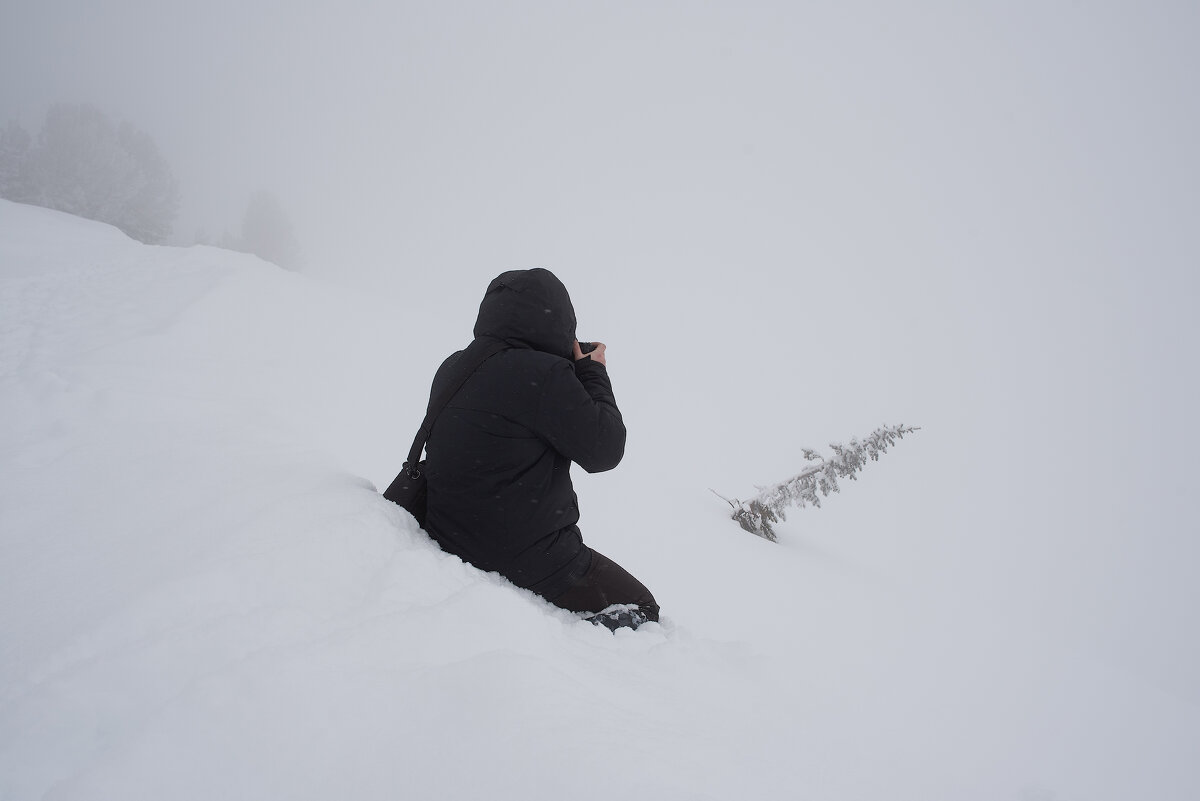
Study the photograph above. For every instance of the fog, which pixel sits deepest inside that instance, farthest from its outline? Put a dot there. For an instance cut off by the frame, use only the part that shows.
(757, 193)
(409, 137)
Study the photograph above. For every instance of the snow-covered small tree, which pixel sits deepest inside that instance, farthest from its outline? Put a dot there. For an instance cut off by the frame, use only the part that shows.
(768, 506)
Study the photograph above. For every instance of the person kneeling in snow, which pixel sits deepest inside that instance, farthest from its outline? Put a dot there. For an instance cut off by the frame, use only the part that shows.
(499, 455)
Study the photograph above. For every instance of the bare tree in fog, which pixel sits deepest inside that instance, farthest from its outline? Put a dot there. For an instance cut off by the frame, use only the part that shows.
(83, 164)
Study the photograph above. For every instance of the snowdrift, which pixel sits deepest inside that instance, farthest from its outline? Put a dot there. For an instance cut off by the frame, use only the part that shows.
(203, 596)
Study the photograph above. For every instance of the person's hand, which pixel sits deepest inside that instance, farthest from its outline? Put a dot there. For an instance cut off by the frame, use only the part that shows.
(597, 354)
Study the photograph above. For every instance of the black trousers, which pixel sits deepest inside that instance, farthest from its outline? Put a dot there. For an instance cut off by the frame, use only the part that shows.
(603, 584)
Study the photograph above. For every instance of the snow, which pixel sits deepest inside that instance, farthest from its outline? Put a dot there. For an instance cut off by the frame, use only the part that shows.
(202, 595)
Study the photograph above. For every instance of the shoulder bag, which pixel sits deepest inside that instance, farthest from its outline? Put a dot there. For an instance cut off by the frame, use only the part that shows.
(410, 489)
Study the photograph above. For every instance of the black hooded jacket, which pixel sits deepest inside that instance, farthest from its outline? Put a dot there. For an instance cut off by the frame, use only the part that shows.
(499, 455)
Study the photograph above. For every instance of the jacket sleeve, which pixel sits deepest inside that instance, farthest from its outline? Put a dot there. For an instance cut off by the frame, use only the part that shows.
(578, 415)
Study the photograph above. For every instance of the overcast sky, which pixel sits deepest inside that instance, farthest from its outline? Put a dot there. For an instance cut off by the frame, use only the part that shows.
(442, 132)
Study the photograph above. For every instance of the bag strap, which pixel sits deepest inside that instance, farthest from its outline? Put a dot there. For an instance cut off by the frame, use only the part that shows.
(478, 352)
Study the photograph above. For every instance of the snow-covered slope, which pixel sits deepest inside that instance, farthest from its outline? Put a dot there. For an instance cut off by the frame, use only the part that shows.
(203, 596)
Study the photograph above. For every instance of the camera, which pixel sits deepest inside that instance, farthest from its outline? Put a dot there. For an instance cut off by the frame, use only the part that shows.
(587, 347)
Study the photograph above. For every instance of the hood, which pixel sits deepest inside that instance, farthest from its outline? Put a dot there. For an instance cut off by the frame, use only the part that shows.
(531, 308)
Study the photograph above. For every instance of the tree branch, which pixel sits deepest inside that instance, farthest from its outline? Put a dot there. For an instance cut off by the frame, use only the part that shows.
(767, 507)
